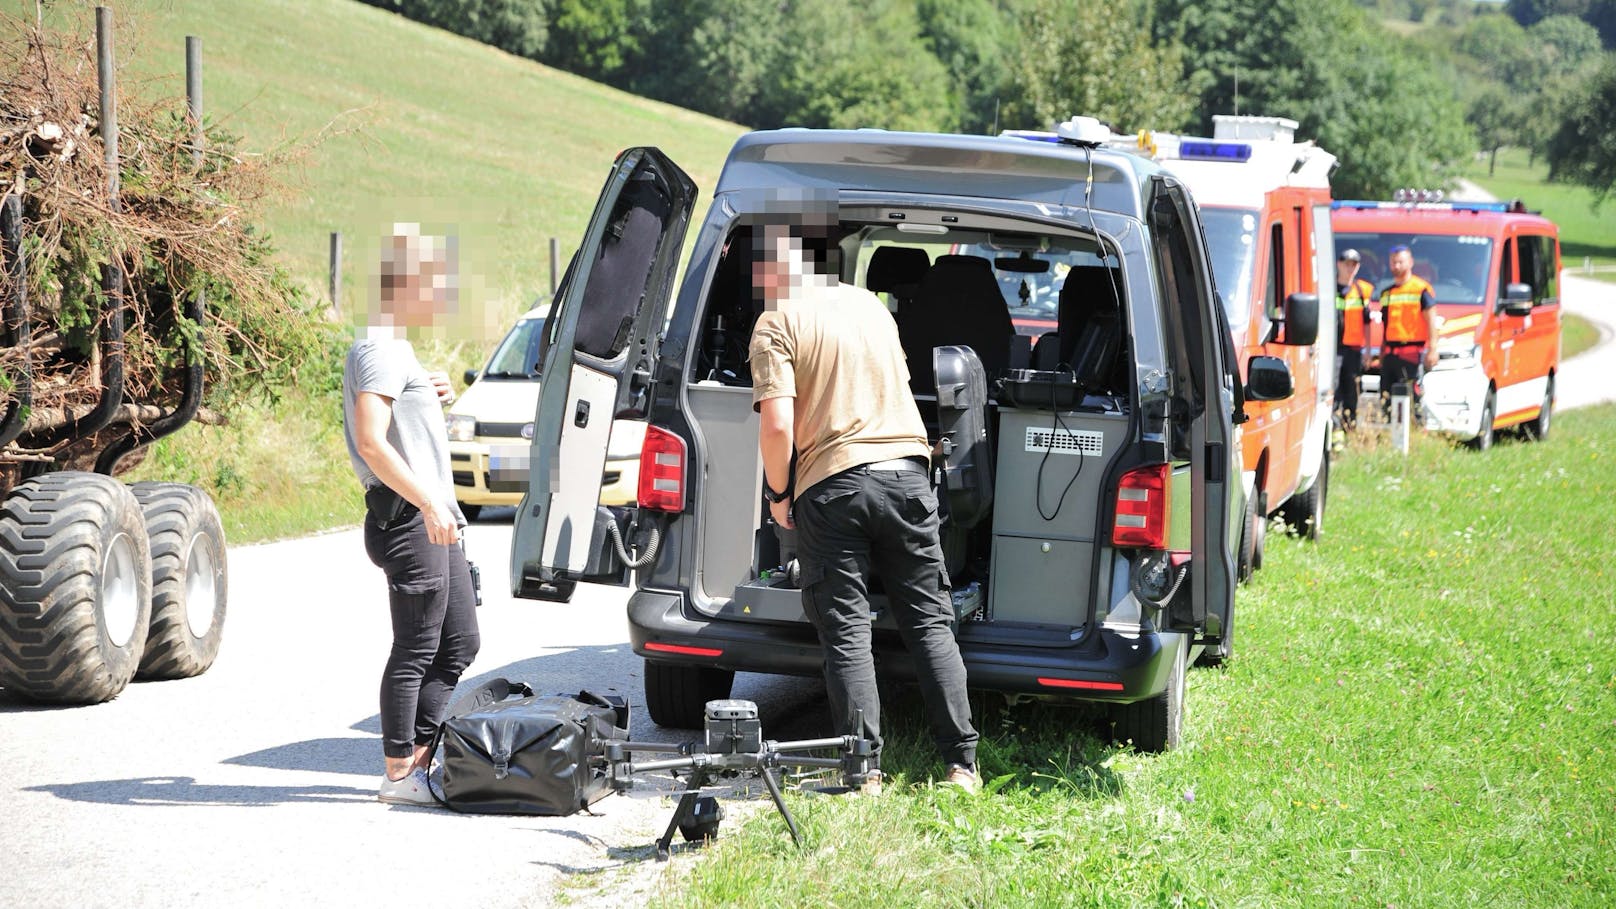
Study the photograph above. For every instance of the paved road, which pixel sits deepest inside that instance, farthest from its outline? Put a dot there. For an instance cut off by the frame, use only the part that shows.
(254, 784)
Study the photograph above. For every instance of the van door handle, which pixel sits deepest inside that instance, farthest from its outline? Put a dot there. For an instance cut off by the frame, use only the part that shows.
(580, 418)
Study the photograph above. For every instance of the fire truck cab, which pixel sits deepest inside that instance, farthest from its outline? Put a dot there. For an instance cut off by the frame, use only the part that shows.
(1494, 270)
(1264, 199)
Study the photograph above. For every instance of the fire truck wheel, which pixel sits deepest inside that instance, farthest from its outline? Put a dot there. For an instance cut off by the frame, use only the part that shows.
(1539, 428)
(1154, 724)
(1304, 512)
(677, 696)
(1260, 537)
(75, 588)
(188, 580)
(1484, 439)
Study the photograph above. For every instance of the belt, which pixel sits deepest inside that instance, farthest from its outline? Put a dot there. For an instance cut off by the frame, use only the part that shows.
(1405, 343)
(896, 465)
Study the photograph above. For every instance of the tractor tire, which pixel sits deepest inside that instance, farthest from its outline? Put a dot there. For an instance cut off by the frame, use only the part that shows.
(188, 580)
(1154, 725)
(1304, 512)
(75, 588)
(676, 696)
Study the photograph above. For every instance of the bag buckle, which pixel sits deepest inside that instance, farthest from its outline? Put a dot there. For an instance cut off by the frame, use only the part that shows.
(502, 764)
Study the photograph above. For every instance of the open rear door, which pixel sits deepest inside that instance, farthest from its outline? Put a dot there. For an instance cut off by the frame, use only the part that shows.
(1200, 338)
(597, 364)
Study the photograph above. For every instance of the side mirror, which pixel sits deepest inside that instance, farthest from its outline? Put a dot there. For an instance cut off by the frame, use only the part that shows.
(470, 376)
(1301, 320)
(1268, 379)
(1518, 299)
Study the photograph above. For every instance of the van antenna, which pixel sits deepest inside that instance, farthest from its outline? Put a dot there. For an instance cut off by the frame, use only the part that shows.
(1237, 90)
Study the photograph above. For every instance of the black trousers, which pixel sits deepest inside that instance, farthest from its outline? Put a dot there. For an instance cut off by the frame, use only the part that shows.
(1346, 385)
(1402, 364)
(435, 633)
(849, 525)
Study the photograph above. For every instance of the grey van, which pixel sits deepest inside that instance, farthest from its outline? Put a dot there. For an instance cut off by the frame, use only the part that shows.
(1067, 352)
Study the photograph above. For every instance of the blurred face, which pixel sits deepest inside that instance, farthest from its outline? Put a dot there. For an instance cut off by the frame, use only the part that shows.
(414, 284)
(1345, 271)
(776, 264)
(1400, 263)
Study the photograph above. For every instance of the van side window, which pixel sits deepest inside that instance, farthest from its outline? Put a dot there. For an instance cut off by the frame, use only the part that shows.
(1530, 272)
(1276, 271)
(1545, 270)
(1506, 268)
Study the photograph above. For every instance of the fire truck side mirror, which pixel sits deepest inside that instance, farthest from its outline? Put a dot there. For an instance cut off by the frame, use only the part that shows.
(1268, 379)
(1301, 320)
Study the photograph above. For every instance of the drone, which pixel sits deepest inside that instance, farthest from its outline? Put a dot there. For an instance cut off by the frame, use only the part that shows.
(734, 747)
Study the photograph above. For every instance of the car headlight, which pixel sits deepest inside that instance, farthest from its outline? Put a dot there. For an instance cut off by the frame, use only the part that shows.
(1459, 356)
(462, 427)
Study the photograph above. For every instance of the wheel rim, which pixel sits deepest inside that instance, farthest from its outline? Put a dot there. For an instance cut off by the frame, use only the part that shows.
(201, 590)
(120, 591)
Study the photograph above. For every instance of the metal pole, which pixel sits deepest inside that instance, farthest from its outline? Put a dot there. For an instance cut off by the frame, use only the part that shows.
(16, 320)
(555, 265)
(109, 98)
(336, 270)
(193, 92)
(1401, 400)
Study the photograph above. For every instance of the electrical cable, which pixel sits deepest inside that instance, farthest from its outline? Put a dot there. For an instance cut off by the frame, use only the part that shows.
(645, 558)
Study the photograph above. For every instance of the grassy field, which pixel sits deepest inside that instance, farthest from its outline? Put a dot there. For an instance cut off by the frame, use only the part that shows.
(387, 121)
(1576, 335)
(1584, 231)
(1422, 713)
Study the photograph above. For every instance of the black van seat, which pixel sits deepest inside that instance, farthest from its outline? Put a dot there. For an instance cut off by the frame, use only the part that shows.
(1090, 327)
(959, 304)
(897, 270)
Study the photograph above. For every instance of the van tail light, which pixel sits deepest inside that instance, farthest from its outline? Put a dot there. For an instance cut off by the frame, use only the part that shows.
(662, 471)
(1142, 508)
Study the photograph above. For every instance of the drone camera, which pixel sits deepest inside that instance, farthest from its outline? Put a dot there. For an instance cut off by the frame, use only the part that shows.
(733, 727)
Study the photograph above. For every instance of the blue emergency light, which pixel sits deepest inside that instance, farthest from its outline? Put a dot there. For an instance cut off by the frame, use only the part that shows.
(1422, 206)
(1214, 151)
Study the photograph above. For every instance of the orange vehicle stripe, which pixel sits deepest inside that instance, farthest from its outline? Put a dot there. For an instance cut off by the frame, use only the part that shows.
(1518, 416)
(1454, 326)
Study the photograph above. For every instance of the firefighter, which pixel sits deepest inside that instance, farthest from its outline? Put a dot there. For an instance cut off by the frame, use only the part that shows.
(1408, 312)
(1352, 298)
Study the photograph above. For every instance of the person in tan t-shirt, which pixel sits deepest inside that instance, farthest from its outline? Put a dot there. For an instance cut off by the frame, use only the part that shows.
(830, 384)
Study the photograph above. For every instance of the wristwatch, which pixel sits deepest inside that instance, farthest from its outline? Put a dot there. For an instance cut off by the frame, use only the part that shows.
(773, 496)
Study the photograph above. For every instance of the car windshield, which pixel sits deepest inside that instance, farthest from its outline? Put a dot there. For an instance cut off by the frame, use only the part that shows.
(517, 356)
(1457, 267)
(1231, 238)
(1031, 280)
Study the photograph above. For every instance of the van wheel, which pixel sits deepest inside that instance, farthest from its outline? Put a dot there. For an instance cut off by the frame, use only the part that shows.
(1248, 541)
(1304, 512)
(1154, 725)
(1259, 537)
(1484, 439)
(188, 580)
(677, 696)
(75, 588)
(1539, 428)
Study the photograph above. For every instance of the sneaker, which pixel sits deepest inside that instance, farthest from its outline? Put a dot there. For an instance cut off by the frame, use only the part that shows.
(963, 777)
(411, 790)
(874, 783)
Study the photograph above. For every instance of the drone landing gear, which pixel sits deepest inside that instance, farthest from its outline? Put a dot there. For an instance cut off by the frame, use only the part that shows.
(697, 816)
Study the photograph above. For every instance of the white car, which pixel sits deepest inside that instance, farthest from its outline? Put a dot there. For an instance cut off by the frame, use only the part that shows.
(493, 422)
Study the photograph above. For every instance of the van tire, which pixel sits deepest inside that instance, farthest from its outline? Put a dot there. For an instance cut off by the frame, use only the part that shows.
(1484, 438)
(1259, 540)
(75, 588)
(676, 696)
(188, 580)
(1154, 725)
(1248, 541)
(1538, 428)
(1304, 512)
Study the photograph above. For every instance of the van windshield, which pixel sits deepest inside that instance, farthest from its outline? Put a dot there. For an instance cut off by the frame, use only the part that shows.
(517, 356)
(1458, 267)
(1030, 280)
(1231, 238)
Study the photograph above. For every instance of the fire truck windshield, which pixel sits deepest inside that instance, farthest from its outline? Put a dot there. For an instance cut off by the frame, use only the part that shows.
(1456, 266)
(1231, 237)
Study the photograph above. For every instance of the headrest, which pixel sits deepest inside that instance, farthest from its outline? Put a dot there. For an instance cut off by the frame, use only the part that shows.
(961, 272)
(895, 266)
(1087, 292)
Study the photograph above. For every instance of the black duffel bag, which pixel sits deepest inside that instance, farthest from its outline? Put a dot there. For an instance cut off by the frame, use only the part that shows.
(508, 752)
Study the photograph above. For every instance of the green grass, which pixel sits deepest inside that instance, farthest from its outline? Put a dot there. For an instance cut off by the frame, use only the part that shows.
(1422, 713)
(1576, 335)
(1585, 232)
(387, 121)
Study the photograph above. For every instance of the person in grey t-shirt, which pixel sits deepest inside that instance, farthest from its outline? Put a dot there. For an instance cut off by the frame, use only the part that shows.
(393, 422)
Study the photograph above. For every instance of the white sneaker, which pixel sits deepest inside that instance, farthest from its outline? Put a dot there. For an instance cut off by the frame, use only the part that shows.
(411, 790)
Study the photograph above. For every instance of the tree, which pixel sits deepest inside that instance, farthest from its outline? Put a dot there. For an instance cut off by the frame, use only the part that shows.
(1566, 44)
(972, 39)
(594, 38)
(519, 27)
(1095, 59)
(1583, 149)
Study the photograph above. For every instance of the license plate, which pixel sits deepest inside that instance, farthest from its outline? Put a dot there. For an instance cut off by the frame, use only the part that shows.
(508, 466)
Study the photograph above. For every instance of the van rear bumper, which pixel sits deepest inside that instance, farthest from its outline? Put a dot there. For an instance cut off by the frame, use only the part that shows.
(1109, 665)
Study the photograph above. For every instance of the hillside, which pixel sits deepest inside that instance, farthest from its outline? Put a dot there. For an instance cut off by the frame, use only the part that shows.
(417, 124)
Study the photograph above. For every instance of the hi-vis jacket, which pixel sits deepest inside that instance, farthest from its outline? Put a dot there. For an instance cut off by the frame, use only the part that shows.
(1351, 315)
(1400, 308)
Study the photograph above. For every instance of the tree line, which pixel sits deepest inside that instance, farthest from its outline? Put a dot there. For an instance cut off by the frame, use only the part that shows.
(1399, 107)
